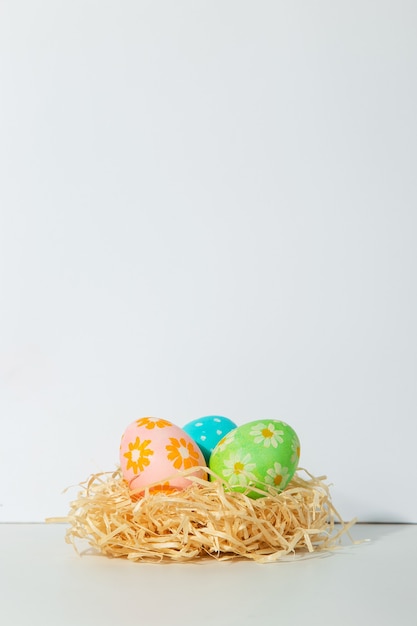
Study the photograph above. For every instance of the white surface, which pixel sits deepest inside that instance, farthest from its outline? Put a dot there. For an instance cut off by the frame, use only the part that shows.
(208, 207)
(44, 582)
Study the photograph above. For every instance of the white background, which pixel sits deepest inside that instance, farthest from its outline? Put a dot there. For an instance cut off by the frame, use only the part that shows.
(208, 207)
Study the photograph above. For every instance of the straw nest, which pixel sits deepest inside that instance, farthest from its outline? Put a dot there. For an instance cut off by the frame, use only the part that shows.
(204, 520)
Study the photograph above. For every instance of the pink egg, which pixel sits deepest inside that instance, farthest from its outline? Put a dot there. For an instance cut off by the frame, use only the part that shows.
(154, 450)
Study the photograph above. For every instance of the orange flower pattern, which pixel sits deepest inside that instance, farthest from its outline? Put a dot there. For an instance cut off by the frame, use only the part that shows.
(152, 422)
(164, 487)
(137, 455)
(182, 453)
(154, 454)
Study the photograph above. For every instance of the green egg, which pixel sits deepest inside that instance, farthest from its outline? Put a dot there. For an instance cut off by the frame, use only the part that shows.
(263, 454)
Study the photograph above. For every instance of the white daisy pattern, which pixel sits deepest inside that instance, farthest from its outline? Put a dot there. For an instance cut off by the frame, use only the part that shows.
(267, 434)
(239, 469)
(295, 447)
(227, 439)
(277, 476)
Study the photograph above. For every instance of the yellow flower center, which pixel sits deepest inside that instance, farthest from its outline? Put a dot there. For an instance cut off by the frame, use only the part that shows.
(238, 467)
(277, 480)
(267, 433)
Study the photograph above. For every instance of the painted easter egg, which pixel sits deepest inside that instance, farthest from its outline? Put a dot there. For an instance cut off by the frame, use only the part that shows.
(154, 450)
(262, 454)
(208, 431)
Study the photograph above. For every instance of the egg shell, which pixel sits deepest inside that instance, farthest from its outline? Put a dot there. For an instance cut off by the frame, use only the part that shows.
(154, 450)
(262, 454)
(208, 431)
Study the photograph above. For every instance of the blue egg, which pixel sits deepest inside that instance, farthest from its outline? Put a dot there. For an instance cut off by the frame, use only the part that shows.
(208, 431)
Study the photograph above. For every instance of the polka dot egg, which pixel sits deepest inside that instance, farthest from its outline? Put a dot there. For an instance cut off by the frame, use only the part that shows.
(154, 450)
(208, 431)
(263, 454)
